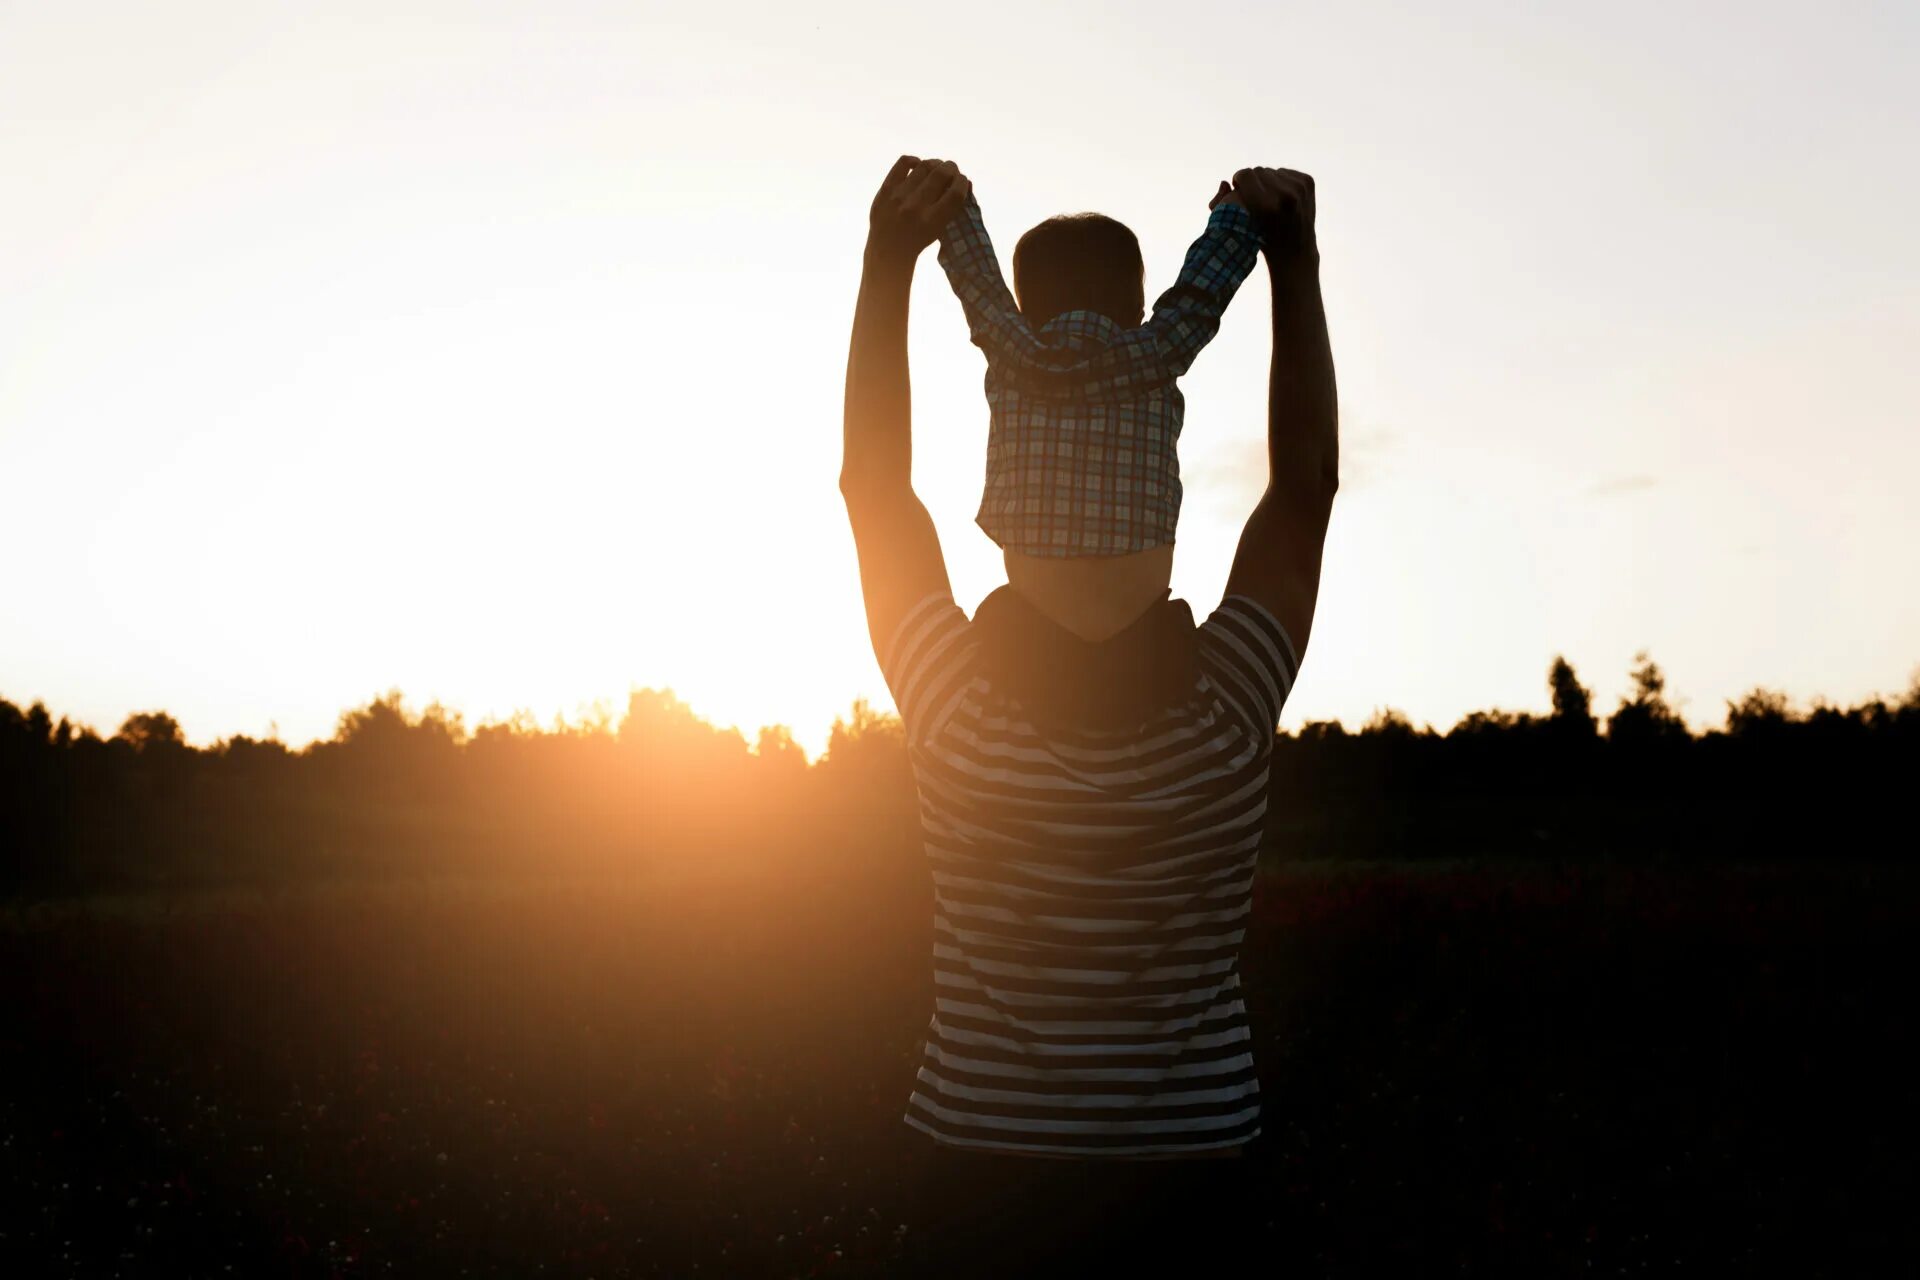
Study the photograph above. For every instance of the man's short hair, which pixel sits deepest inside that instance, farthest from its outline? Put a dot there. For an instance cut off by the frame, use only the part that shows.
(1080, 262)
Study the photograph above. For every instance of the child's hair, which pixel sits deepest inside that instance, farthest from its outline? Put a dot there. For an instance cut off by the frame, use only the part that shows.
(1080, 262)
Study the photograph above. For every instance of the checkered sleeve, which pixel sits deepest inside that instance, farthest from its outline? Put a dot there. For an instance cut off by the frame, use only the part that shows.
(993, 320)
(1187, 316)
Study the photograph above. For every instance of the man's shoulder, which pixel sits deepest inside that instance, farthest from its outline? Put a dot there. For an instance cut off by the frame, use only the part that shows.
(1239, 616)
(932, 639)
(1247, 645)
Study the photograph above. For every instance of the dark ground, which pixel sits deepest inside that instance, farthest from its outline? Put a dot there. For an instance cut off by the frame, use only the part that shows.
(1468, 1070)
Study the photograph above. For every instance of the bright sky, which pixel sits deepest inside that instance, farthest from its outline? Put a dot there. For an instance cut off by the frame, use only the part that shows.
(494, 352)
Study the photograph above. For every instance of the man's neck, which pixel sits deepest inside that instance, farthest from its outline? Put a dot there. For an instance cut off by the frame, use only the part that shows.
(1094, 597)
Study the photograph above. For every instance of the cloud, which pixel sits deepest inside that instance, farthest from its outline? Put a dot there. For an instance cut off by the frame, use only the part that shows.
(1620, 484)
(1363, 455)
(1232, 477)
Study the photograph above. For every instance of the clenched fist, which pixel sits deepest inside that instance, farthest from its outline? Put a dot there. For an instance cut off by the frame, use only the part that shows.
(1281, 202)
(916, 200)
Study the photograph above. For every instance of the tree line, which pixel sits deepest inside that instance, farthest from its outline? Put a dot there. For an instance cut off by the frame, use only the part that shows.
(662, 793)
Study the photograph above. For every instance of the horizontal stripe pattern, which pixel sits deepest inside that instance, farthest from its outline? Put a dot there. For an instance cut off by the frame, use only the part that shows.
(1091, 893)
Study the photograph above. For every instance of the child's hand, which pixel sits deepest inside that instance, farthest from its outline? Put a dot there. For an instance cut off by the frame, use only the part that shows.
(1225, 195)
(917, 199)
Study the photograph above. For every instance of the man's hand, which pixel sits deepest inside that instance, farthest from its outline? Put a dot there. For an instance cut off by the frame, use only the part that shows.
(916, 200)
(1225, 195)
(1281, 202)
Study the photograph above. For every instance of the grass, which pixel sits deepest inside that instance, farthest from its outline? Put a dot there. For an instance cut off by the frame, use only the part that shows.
(1468, 1068)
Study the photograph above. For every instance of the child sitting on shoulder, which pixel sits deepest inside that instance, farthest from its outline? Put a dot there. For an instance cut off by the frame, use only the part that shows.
(1083, 475)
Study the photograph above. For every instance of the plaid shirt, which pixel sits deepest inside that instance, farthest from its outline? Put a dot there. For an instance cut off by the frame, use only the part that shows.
(1085, 416)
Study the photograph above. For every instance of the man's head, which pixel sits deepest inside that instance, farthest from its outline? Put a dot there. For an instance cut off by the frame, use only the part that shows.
(1080, 262)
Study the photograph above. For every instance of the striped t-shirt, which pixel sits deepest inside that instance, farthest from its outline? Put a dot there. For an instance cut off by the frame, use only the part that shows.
(1091, 892)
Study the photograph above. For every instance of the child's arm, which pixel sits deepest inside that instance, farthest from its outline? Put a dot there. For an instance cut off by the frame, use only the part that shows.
(1187, 316)
(993, 321)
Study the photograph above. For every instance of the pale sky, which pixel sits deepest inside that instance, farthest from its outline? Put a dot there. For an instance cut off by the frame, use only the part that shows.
(495, 352)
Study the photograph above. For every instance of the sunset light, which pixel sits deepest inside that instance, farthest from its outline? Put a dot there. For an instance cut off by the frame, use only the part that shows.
(497, 358)
(1008, 639)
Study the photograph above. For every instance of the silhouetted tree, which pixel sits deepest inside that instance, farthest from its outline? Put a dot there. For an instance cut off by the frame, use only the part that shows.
(386, 754)
(151, 729)
(1572, 702)
(385, 722)
(1762, 711)
(1389, 722)
(869, 745)
(776, 749)
(1495, 723)
(657, 718)
(1645, 715)
(665, 789)
(39, 723)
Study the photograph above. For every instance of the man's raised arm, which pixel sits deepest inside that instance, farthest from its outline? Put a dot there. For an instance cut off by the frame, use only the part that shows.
(1278, 561)
(900, 559)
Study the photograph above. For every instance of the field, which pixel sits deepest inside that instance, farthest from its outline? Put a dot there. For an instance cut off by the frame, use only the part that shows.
(1468, 1068)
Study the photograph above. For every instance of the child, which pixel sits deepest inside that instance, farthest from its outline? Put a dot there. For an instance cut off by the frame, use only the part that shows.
(1083, 479)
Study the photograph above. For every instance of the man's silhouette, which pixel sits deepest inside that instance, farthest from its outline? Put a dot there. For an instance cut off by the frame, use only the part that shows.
(1092, 808)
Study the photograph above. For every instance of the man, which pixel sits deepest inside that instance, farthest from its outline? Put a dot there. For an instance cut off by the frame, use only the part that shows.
(1092, 810)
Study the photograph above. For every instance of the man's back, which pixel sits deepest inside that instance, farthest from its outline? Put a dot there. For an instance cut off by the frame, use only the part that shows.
(1091, 891)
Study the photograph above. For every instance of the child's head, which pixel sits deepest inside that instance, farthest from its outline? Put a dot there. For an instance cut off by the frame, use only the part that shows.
(1080, 262)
